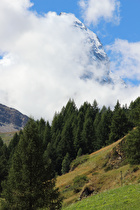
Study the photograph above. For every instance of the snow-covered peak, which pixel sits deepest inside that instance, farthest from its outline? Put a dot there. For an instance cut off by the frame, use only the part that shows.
(98, 65)
(93, 39)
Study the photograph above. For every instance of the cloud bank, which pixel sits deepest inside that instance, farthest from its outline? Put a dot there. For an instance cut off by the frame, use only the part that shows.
(42, 59)
(127, 55)
(96, 10)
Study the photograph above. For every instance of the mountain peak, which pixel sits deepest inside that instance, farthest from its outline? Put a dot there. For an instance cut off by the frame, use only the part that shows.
(95, 63)
(97, 58)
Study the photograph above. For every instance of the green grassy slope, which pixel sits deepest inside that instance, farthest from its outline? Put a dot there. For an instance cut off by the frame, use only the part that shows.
(103, 171)
(127, 197)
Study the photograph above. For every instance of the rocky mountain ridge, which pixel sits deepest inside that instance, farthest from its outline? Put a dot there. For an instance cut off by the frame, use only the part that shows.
(11, 119)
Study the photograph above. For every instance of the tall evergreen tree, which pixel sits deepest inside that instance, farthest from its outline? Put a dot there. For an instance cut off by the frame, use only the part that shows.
(103, 127)
(96, 124)
(67, 138)
(47, 135)
(78, 143)
(95, 109)
(29, 186)
(134, 112)
(119, 125)
(133, 142)
(41, 128)
(69, 110)
(12, 145)
(65, 164)
(3, 162)
(88, 133)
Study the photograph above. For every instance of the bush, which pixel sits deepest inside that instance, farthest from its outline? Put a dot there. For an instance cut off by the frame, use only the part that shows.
(78, 182)
(135, 169)
(80, 179)
(108, 168)
(78, 161)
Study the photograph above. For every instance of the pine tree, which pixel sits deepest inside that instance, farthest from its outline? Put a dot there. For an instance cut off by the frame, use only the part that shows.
(69, 110)
(79, 153)
(78, 131)
(134, 111)
(119, 125)
(66, 142)
(88, 136)
(103, 127)
(95, 109)
(65, 164)
(41, 127)
(28, 186)
(47, 135)
(96, 124)
(12, 145)
(3, 162)
(133, 146)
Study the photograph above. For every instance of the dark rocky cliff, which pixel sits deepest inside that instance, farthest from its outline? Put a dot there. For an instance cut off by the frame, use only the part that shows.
(11, 119)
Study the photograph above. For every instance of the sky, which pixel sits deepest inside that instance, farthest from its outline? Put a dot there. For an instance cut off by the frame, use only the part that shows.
(40, 53)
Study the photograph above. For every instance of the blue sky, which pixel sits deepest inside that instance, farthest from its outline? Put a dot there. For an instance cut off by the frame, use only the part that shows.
(42, 58)
(69, 6)
(128, 28)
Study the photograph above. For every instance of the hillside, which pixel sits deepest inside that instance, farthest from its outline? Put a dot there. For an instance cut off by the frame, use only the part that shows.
(126, 197)
(11, 119)
(103, 171)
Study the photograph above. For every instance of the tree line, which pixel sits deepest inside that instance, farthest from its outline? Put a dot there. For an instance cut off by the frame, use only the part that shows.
(35, 155)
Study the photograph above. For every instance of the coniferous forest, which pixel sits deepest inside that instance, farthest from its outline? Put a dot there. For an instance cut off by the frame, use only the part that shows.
(41, 151)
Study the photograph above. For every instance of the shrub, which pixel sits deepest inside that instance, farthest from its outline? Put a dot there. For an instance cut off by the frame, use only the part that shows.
(80, 179)
(78, 161)
(78, 182)
(135, 169)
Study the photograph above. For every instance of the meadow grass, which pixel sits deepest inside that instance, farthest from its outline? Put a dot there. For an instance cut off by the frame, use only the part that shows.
(126, 197)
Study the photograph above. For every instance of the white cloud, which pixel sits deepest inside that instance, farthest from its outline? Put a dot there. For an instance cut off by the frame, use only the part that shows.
(96, 10)
(125, 59)
(42, 60)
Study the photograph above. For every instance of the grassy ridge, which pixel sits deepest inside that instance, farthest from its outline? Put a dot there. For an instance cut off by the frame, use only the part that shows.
(127, 197)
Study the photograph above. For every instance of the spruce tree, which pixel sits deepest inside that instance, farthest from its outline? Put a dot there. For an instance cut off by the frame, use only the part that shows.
(103, 127)
(28, 186)
(97, 142)
(133, 146)
(12, 145)
(88, 136)
(47, 135)
(66, 164)
(78, 131)
(3, 162)
(134, 111)
(119, 125)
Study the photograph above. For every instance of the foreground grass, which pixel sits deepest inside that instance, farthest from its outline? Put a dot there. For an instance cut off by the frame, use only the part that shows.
(127, 197)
